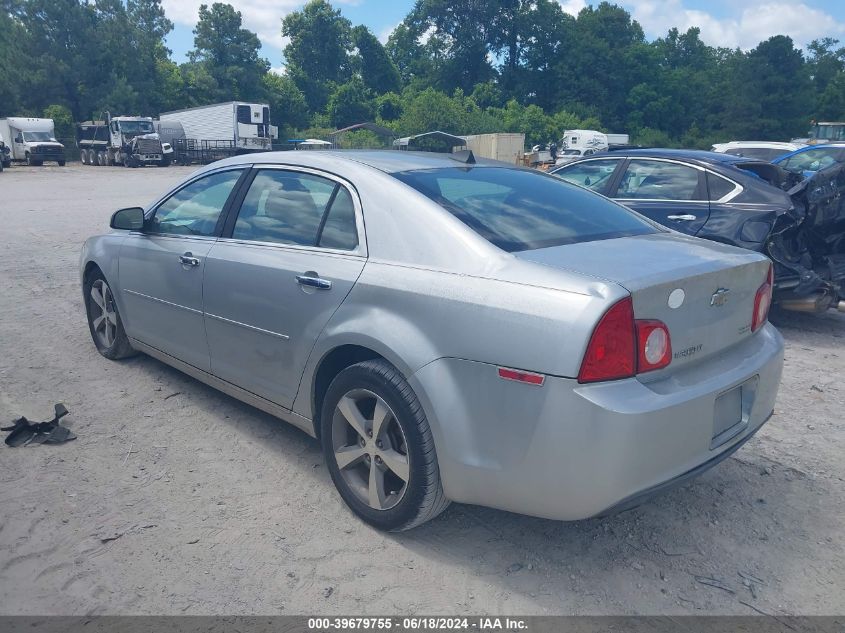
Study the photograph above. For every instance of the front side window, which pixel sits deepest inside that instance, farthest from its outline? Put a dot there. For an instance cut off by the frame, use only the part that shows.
(288, 207)
(593, 174)
(659, 180)
(520, 209)
(195, 209)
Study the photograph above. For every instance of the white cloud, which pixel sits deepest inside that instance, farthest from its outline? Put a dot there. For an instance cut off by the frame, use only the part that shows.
(572, 7)
(263, 17)
(279, 70)
(758, 20)
(386, 32)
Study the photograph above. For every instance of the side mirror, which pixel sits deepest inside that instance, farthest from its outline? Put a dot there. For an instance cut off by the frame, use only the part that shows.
(131, 219)
(19, 139)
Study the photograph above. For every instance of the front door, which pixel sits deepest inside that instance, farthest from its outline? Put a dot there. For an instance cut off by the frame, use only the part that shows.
(671, 193)
(161, 268)
(283, 266)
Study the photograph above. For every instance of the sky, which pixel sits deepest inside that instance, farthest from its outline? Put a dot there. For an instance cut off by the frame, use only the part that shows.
(731, 23)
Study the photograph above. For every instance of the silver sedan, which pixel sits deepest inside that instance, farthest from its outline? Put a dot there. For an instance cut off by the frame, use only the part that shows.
(450, 329)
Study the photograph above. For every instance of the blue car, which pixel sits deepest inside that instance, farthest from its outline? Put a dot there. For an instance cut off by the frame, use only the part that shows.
(808, 160)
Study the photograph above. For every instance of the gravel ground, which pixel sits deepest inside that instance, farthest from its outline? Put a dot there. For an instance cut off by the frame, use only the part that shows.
(177, 499)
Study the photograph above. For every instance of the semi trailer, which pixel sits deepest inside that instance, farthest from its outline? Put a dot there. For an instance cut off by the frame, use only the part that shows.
(219, 130)
(31, 140)
(130, 141)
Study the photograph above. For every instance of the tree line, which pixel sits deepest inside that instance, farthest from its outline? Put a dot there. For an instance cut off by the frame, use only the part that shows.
(461, 66)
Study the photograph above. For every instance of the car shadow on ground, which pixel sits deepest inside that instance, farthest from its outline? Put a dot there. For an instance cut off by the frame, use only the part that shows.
(719, 526)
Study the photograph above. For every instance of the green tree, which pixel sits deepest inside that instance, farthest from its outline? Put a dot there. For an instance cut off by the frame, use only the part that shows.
(318, 53)
(377, 70)
(229, 54)
(152, 74)
(350, 104)
(288, 108)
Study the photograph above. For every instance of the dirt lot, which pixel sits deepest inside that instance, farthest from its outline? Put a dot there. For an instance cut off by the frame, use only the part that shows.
(177, 499)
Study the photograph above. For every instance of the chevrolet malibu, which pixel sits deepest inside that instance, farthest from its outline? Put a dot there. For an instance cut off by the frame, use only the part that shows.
(450, 329)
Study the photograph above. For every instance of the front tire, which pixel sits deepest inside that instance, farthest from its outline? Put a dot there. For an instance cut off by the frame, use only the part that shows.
(379, 448)
(104, 320)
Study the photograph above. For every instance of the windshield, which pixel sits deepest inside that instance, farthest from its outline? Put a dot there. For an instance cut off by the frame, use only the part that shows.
(814, 159)
(832, 132)
(136, 127)
(518, 209)
(31, 137)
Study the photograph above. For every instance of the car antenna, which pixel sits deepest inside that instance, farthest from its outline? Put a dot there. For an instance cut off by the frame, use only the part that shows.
(464, 156)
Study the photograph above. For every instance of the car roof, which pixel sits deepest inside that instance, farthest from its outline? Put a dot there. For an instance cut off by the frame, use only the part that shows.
(753, 144)
(689, 154)
(387, 160)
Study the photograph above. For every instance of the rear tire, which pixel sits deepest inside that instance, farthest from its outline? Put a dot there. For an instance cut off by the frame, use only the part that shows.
(101, 159)
(62, 163)
(104, 321)
(373, 423)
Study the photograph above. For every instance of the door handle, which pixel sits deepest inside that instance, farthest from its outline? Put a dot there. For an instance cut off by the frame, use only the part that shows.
(686, 217)
(313, 282)
(188, 259)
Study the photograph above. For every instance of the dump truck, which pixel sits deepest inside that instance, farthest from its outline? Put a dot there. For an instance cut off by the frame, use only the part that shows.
(130, 141)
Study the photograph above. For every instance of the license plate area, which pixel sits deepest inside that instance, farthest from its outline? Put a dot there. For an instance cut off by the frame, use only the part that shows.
(732, 411)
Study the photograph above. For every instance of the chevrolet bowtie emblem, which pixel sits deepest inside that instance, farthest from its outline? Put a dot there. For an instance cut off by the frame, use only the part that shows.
(720, 297)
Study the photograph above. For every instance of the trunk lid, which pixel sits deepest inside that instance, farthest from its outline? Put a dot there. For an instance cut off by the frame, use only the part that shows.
(703, 291)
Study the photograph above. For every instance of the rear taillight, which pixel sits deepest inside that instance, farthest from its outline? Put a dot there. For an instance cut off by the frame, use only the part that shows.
(762, 303)
(653, 345)
(611, 353)
(621, 347)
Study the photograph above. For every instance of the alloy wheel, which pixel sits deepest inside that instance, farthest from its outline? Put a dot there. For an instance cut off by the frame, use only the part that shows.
(370, 449)
(103, 313)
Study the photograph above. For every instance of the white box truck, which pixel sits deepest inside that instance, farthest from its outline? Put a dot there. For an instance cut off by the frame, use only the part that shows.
(234, 127)
(504, 146)
(32, 140)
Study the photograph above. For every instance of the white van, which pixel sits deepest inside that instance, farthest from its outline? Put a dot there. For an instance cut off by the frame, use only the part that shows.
(32, 140)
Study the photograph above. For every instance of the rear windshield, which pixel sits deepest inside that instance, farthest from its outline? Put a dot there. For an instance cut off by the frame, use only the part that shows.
(520, 209)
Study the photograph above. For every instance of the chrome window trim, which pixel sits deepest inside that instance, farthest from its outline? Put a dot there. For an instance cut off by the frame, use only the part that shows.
(359, 251)
(738, 188)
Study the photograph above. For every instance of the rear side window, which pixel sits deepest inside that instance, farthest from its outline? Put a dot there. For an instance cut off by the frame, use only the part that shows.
(719, 187)
(519, 210)
(593, 174)
(288, 207)
(659, 180)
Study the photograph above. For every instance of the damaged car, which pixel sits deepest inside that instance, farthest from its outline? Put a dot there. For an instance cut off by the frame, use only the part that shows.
(798, 222)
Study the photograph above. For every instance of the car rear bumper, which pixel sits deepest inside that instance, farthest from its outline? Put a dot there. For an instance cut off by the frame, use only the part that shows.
(569, 451)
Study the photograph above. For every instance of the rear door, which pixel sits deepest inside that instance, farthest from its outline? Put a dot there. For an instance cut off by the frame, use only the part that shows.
(161, 268)
(670, 192)
(288, 258)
